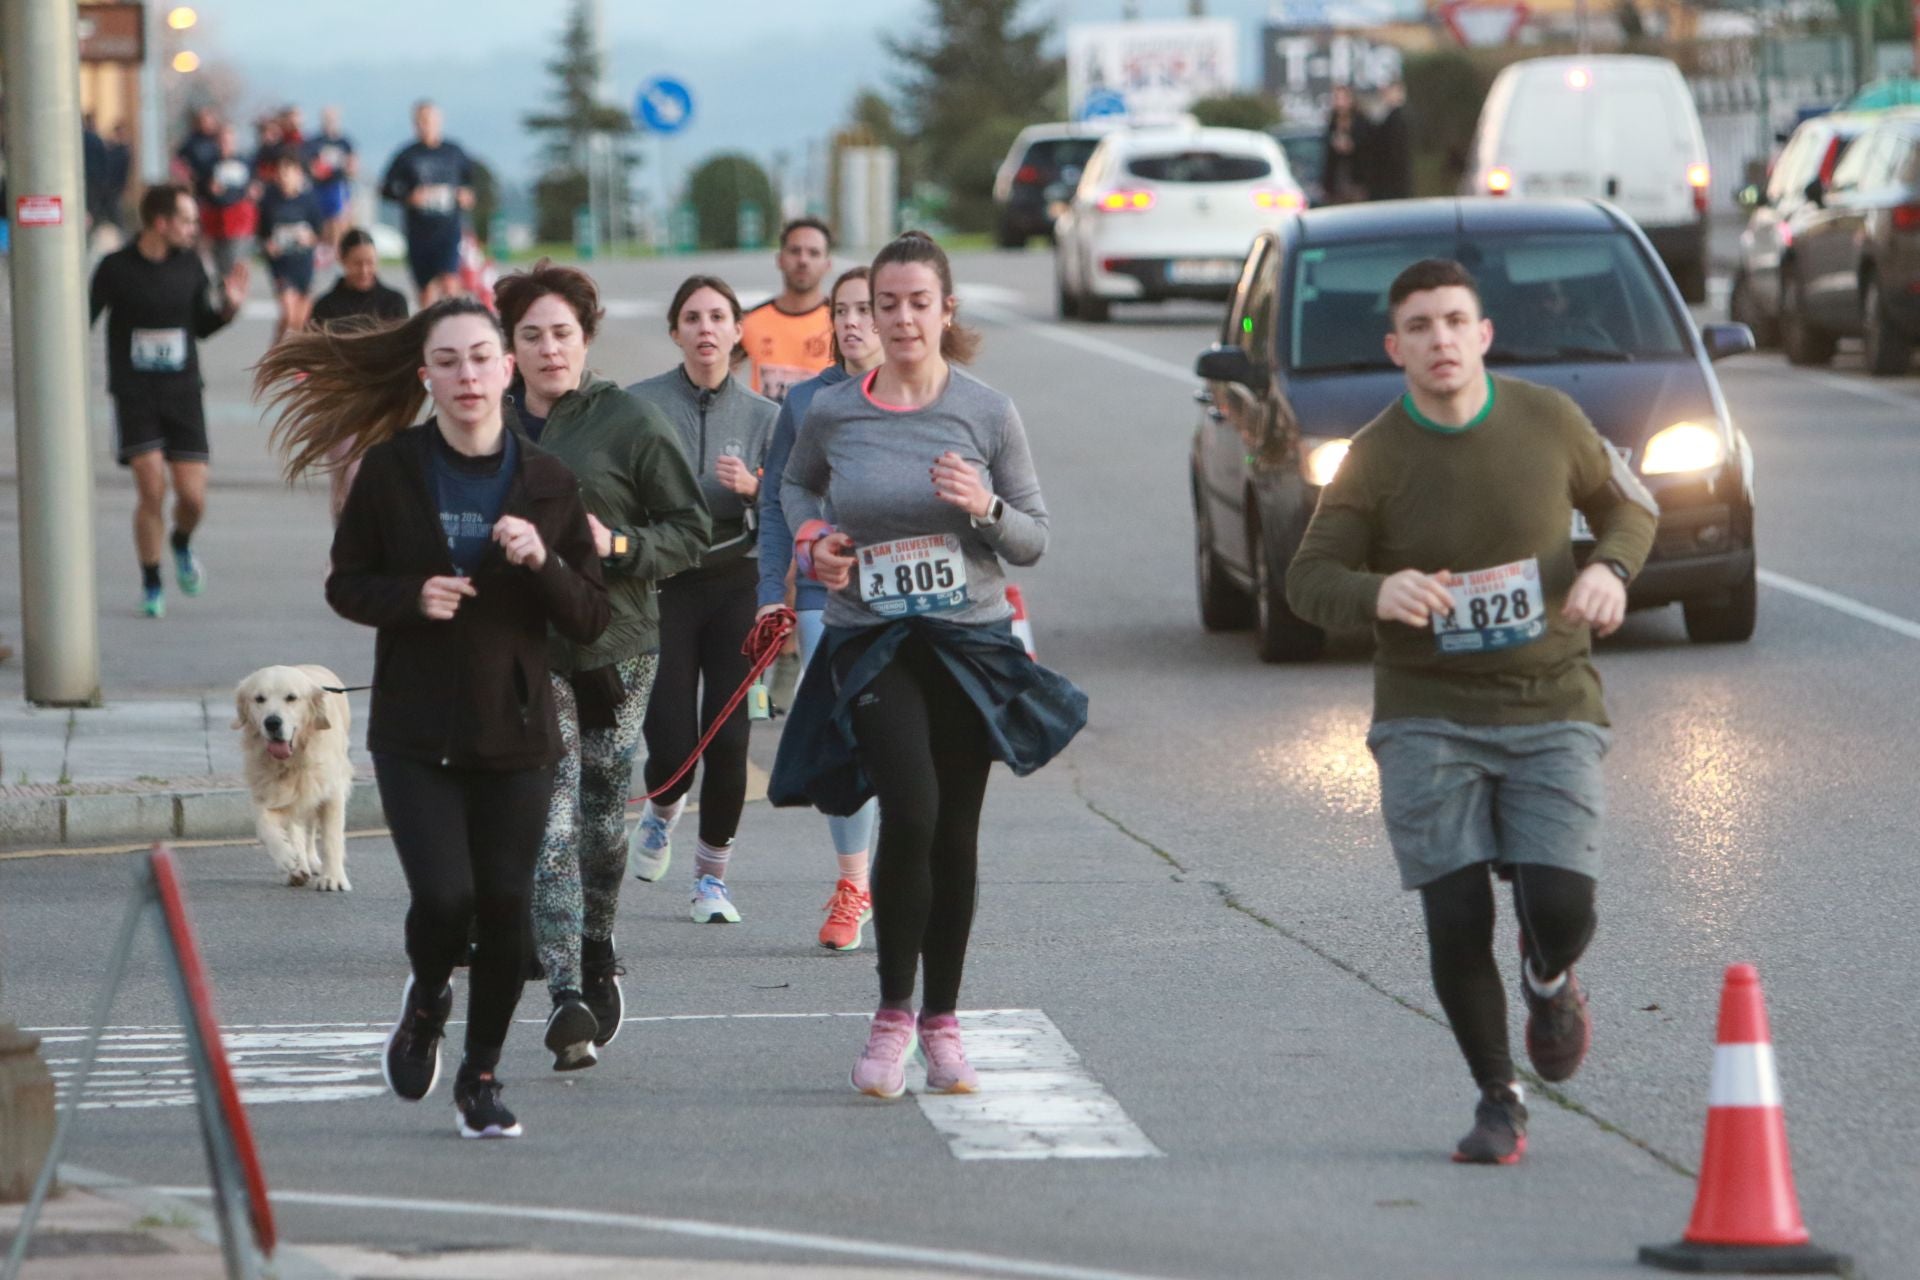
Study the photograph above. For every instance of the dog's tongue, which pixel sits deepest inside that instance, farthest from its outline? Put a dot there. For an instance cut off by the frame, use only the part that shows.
(280, 750)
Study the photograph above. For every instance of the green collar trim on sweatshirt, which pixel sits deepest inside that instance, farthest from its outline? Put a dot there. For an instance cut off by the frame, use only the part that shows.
(1406, 402)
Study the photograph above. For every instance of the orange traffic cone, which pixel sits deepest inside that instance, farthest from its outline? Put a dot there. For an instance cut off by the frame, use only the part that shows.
(1746, 1216)
(1022, 628)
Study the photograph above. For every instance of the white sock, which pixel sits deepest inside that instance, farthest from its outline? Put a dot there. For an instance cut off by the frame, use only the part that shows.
(670, 814)
(1545, 990)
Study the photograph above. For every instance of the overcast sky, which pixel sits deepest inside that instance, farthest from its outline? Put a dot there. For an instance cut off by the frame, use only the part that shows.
(768, 76)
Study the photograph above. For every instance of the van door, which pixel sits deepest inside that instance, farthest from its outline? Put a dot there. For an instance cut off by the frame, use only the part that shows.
(1644, 137)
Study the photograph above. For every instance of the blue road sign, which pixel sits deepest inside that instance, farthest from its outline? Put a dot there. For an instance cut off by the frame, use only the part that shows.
(1103, 102)
(664, 106)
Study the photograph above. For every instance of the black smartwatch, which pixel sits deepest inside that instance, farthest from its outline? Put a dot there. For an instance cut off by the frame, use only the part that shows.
(1619, 571)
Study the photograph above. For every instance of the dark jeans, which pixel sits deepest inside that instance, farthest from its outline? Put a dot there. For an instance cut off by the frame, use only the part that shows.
(923, 744)
(467, 840)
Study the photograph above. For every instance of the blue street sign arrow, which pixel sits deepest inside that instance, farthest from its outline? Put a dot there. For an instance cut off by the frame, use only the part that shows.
(664, 105)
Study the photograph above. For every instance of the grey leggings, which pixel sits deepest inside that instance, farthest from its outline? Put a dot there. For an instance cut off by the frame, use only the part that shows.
(576, 883)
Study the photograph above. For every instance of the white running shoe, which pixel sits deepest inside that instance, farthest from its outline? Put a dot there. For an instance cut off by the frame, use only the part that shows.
(650, 847)
(712, 902)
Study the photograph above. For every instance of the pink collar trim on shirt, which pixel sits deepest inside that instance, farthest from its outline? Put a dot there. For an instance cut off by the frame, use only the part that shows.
(866, 386)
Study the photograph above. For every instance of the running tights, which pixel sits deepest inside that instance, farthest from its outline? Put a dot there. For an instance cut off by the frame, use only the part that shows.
(1555, 910)
(705, 615)
(923, 744)
(467, 839)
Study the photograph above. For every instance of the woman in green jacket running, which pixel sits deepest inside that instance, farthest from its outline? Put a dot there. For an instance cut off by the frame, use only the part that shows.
(649, 521)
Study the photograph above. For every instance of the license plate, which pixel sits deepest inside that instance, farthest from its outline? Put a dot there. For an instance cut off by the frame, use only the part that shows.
(1203, 271)
(913, 576)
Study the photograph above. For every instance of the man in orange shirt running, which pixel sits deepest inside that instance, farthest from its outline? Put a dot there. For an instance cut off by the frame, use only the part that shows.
(789, 338)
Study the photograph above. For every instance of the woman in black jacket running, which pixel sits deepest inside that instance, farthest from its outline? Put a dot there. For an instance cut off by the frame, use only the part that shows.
(463, 544)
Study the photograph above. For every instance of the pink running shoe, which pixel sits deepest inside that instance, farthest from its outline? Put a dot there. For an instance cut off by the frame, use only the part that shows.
(948, 1070)
(881, 1071)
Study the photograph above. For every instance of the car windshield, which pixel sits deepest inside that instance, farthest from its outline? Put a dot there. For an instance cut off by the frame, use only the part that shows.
(1199, 166)
(1306, 155)
(1553, 298)
(1055, 154)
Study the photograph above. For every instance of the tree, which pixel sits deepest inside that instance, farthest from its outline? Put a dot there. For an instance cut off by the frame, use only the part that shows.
(574, 116)
(972, 82)
(1237, 111)
(718, 188)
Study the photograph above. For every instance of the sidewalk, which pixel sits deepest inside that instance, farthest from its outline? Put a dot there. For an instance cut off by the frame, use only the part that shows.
(137, 771)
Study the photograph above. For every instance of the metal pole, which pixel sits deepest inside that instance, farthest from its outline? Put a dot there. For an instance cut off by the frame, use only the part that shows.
(153, 106)
(57, 603)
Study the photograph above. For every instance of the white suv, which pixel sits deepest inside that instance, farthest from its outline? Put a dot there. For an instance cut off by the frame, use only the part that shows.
(1168, 213)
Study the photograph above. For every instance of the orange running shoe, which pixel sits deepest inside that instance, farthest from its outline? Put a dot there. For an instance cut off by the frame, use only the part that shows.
(848, 911)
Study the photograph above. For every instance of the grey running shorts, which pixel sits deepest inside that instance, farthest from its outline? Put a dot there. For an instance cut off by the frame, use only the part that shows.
(1455, 795)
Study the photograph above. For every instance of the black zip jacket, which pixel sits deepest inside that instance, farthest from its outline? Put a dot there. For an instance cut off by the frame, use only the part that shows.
(472, 692)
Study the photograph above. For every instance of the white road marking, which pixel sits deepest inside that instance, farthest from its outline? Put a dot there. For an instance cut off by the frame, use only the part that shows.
(1841, 604)
(1087, 342)
(1037, 1100)
(802, 1241)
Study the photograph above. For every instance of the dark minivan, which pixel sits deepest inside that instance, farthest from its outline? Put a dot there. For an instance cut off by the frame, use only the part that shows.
(1579, 301)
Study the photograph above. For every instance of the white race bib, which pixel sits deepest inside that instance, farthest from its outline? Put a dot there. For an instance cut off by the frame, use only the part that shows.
(286, 236)
(1498, 608)
(439, 198)
(913, 576)
(158, 350)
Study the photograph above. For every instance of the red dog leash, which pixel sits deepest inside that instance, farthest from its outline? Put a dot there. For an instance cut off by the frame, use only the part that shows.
(763, 644)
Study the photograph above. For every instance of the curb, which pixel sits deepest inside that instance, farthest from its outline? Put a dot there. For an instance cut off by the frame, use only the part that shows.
(183, 813)
(286, 1264)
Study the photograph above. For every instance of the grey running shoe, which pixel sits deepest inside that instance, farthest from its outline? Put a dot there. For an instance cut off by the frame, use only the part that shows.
(1558, 1029)
(1499, 1133)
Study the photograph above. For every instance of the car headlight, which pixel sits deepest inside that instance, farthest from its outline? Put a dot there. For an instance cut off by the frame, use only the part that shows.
(1323, 461)
(1684, 446)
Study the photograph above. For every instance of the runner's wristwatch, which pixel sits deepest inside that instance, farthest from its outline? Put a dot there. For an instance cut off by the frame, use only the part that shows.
(995, 510)
(1619, 571)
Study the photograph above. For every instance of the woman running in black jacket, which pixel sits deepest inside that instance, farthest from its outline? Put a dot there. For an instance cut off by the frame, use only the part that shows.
(463, 544)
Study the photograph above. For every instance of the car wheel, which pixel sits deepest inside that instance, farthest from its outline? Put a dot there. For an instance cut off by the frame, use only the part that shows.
(1742, 308)
(1278, 636)
(1888, 350)
(1692, 279)
(1093, 309)
(1063, 299)
(1804, 342)
(1224, 605)
(1728, 620)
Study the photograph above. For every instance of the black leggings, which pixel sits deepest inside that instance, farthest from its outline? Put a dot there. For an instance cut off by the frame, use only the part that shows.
(1555, 910)
(705, 616)
(467, 840)
(922, 742)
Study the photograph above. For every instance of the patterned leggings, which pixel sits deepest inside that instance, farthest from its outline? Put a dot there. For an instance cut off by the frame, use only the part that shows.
(576, 883)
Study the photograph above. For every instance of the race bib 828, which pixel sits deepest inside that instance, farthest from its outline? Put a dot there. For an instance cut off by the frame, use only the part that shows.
(1498, 608)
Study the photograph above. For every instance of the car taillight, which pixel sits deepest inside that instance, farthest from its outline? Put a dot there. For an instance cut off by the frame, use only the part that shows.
(1783, 232)
(1699, 177)
(1906, 217)
(1124, 201)
(1499, 181)
(1028, 173)
(1275, 198)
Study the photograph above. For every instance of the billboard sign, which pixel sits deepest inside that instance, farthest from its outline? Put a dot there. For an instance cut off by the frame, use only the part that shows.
(1156, 69)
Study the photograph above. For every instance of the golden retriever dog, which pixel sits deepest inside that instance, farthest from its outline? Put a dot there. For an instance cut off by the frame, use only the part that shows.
(296, 735)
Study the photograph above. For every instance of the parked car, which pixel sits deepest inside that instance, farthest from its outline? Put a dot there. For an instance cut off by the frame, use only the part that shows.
(1167, 213)
(1578, 302)
(1306, 148)
(1618, 127)
(1778, 214)
(1038, 176)
(1855, 264)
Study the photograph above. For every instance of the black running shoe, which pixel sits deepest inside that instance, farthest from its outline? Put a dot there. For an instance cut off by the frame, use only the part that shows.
(1558, 1029)
(600, 971)
(482, 1114)
(411, 1063)
(1499, 1133)
(570, 1033)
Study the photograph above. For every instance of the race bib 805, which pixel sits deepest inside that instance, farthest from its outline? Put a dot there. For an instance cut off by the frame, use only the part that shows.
(1498, 608)
(912, 576)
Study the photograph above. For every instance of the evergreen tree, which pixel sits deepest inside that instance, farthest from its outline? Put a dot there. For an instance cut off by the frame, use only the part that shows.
(574, 115)
(974, 80)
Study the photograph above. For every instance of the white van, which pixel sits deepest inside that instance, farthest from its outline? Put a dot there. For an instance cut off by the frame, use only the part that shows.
(1612, 127)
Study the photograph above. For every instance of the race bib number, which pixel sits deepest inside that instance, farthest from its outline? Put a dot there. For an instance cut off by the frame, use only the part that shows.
(287, 237)
(914, 576)
(158, 350)
(1498, 608)
(232, 174)
(439, 198)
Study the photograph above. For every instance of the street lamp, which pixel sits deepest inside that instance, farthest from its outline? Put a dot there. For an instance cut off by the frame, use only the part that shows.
(186, 61)
(182, 18)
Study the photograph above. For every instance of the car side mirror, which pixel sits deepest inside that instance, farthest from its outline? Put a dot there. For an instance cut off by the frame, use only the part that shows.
(1817, 192)
(1723, 340)
(1221, 363)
